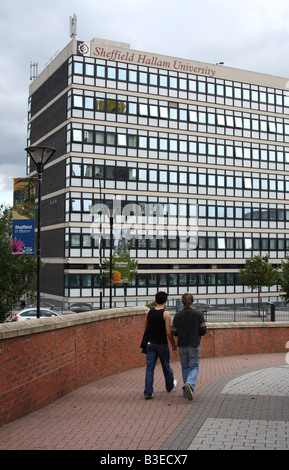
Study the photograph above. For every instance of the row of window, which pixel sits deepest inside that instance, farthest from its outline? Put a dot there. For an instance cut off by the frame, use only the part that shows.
(180, 176)
(81, 240)
(158, 280)
(83, 203)
(145, 79)
(197, 118)
(101, 140)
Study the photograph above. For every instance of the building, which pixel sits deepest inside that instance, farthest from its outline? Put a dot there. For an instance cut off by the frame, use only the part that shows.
(206, 144)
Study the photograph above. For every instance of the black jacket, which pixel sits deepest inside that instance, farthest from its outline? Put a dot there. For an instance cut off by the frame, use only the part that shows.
(189, 325)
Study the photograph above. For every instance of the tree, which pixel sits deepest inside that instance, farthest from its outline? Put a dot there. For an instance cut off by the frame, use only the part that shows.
(18, 272)
(284, 279)
(258, 272)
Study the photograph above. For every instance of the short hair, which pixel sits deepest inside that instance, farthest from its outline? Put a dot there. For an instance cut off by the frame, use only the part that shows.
(161, 297)
(187, 299)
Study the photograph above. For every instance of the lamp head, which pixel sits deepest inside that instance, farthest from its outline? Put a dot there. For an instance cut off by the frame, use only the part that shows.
(40, 155)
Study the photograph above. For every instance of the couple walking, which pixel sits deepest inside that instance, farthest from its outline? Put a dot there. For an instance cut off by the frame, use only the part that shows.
(188, 325)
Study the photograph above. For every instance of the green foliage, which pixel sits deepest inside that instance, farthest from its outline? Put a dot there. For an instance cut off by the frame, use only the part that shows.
(18, 272)
(284, 279)
(258, 272)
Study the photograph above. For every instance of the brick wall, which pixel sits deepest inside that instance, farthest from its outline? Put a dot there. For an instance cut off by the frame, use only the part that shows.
(43, 359)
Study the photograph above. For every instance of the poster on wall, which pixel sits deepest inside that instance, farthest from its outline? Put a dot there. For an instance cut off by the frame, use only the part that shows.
(121, 270)
(23, 238)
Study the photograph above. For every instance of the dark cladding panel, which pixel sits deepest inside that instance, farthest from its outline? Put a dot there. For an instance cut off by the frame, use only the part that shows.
(50, 88)
(51, 118)
(52, 279)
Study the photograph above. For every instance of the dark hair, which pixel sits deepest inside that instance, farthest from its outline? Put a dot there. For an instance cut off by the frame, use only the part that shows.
(161, 297)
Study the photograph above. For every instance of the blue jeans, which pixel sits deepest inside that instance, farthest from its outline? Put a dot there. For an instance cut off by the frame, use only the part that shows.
(190, 359)
(155, 351)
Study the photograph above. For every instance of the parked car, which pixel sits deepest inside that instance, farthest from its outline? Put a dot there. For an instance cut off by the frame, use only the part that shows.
(31, 313)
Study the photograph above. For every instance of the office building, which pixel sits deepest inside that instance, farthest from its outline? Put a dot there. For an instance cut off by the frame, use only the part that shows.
(204, 143)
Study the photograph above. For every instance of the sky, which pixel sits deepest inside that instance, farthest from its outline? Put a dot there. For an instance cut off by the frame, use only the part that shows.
(247, 34)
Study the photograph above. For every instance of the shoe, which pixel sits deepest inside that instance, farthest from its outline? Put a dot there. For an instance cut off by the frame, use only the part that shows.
(148, 397)
(175, 384)
(189, 392)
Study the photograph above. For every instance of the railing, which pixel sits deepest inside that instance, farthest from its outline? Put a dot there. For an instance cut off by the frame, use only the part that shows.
(266, 312)
(276, 311)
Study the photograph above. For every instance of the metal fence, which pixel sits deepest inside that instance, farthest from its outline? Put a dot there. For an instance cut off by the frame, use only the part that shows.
(268, 311)
(247, 314)
(277, 311)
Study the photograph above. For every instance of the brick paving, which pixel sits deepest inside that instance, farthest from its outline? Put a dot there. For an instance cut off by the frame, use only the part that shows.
(240, 402)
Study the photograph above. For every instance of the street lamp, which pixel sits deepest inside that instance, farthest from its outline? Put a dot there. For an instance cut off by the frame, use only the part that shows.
(40, 156)
(99, 177)
(110, 256)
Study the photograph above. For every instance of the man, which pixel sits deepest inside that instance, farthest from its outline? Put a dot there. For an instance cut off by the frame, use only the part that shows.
(189, 325)
(158, 323)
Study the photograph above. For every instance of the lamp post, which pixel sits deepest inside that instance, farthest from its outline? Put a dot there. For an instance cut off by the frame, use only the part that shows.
(99, 177)
(40, 156)
(110, 257)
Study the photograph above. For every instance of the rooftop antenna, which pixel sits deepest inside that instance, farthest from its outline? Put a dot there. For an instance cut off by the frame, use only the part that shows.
(73, 26)
(33, 70)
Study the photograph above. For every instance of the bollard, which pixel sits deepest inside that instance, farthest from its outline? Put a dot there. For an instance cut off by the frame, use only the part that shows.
(272, 312)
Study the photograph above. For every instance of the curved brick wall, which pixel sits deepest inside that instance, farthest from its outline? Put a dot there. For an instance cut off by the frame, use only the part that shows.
(43, 359)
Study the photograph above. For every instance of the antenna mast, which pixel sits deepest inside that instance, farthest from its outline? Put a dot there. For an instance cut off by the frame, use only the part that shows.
(73, 26)
(33, 70)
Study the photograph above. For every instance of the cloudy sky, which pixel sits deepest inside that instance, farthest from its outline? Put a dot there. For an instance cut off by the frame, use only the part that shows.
(247, 34)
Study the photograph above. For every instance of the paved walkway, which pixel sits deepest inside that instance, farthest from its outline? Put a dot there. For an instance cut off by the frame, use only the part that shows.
(241, 402)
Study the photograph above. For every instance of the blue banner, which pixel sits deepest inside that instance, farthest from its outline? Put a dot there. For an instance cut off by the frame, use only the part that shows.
(23, 237)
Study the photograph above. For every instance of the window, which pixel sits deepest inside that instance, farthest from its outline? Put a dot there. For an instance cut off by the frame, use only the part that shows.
(76, 205)
(132, 76)
(153, 79)
(202, 243)
(111, 73)
(211, 243)
(143, 78)
(164, 112)
(110, 138)
(100, 71)
(99, 137)
(89, 70)
(87, 171)
(122, 74)
(132, 141)
(88, 102)
(76, 170)
(75, 240)
(88, 137)
(221, 243)
(132, 108)
(78, 68)
(77, 135)
(74, 280)
(121, 140)
(163, 80)
(77, 101)
(143, 109)
(154, 111)
(99, 104)
(86, 240)
(110, 172)
(173, 82)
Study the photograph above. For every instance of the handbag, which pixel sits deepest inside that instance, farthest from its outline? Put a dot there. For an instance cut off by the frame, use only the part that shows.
(143, 344)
